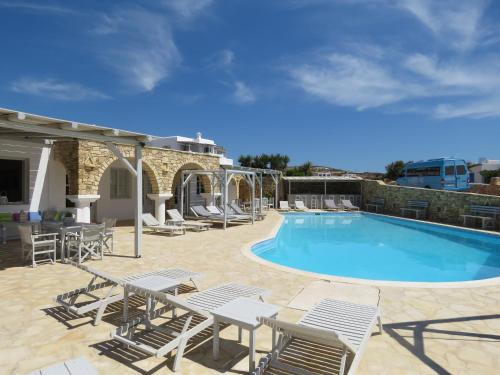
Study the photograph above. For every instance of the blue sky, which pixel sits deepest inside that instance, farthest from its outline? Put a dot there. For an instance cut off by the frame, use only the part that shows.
(351, 84)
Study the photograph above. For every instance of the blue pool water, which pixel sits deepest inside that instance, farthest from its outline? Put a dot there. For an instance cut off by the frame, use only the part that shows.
(381, 248)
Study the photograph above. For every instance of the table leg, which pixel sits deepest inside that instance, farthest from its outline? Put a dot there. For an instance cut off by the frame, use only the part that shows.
(125, 305)
(216, 340)
(251, 347)
(240, 335)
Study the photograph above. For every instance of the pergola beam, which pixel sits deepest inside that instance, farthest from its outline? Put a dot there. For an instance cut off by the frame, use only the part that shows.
(116, 151)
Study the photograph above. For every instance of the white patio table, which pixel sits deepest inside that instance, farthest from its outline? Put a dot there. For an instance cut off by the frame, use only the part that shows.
(156, 283)
(243, 313)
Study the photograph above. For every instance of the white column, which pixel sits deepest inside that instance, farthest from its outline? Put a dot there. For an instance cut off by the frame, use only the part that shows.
(159, 200)
(82, 206)
(40, 179)
(138, 201)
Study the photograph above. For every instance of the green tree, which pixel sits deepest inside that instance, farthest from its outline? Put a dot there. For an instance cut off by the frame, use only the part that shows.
(394, 170)
(245, 160)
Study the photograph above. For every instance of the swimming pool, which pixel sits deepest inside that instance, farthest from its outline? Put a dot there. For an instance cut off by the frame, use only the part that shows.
(375, 247)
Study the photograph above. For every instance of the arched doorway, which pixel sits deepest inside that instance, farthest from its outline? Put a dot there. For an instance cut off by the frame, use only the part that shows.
(117, 192)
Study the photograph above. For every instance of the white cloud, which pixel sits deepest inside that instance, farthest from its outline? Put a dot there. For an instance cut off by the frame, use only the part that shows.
(188, 9)
(477, 109)
(352, 81)
(51, 88)
(31, 6)
(226, 58)
(457, 22)
(243, 94)
(139, 46)
(359, 82)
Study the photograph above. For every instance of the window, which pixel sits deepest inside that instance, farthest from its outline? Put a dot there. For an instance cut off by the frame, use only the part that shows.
(424, 171)
(461, 170)
(449, 170)
(13, 179)
(120, 184)
(200, 189)
(207, 150)
(186, 147)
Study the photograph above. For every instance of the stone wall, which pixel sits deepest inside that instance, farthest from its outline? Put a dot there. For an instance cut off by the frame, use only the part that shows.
(444, 206)
(86, 161)
(493, 188)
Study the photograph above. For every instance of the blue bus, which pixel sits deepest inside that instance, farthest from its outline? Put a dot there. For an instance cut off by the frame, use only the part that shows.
(443, 174)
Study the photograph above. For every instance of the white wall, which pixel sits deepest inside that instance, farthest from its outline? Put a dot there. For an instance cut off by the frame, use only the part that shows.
(50, 191)
(53, 193)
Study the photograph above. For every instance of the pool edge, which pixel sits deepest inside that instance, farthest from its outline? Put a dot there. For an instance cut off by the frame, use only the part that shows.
(247, 251)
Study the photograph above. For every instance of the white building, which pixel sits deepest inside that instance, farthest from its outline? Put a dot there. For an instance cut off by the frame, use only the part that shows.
(483, 165)
(197, 144)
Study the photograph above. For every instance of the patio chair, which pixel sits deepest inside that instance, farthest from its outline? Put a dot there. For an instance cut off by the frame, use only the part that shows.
(347, 204)
(154, 225)
(38, 245)
(75, 366)
(197, 318)
(299, 205)
(88, 244)
(284, 206)
(177, 219)
(109, 286)
(331, 336)
(331, 205)
(109, 229)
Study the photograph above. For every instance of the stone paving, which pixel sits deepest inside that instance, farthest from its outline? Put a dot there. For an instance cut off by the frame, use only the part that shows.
(427, 331)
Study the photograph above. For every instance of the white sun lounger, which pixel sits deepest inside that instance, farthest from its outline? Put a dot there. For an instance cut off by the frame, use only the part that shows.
(333, 335)
(284, 206)
(151, 223)
(177, 219)
(347, 204)
(197, 306)
(214, 210)
(202, 213)
(299, 205)
(76, 366)
(112, 285)
(331, 205)
(237, 210)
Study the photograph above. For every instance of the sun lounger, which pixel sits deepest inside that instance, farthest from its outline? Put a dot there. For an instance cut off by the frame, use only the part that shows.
(331, 336)
(214, 210)
(419, 208)
(154, 225)
(198, 317)
(202, 213)
(284, 206)
(110, 287)
(76, 366)
(177, 219)
(299, 205)
(331, 205)
(347, 204)
(243, 217)
(238, 211)
(377, 204)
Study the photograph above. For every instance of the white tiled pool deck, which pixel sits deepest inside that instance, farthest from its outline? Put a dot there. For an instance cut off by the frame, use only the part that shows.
(426, 330)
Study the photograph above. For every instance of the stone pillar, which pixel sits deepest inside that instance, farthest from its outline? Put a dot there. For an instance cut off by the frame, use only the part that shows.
(159, 200)
(82, 204)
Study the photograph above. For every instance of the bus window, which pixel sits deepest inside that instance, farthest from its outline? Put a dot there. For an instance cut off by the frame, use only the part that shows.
(449, 170)
(461, 170)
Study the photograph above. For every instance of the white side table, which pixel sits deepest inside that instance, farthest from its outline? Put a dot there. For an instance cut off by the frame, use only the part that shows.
(156, 283)
(243, 313)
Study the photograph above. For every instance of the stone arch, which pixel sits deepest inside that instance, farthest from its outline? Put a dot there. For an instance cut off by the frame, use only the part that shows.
(188, 166)
(98, 167)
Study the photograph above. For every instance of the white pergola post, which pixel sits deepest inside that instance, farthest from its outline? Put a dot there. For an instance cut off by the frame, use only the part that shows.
(261, 182)
(224, 197)
(252, 177)
(138, 201)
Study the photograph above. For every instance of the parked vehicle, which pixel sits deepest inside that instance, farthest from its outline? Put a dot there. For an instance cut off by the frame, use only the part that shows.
(443, 174)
